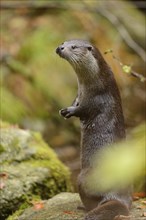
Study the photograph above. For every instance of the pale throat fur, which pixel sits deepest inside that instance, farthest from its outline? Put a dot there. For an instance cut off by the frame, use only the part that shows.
(80, 56)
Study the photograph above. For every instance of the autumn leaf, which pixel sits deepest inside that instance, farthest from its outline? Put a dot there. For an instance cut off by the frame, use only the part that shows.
(69, 212)
(3, 175)
(139, 195)
(38, 205)
(2, 185)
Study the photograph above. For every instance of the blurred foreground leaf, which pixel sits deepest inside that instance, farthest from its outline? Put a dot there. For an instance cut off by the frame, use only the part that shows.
(121, 164)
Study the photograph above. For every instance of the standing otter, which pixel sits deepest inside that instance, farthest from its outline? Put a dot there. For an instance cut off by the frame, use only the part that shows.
(98, 105)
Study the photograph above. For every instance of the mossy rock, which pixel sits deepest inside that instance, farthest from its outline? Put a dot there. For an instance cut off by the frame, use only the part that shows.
(30, 170)
(61, 207)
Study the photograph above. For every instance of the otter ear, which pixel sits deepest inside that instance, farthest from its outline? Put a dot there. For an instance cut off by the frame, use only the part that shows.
(89, 48)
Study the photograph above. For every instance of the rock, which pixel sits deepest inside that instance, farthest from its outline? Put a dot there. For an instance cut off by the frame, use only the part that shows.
(60, 207)
(64, 207)
(30, 170)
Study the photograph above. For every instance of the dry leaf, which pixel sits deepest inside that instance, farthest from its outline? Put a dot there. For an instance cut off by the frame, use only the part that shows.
(144, 202)
(38, 205)
(139, 195)
(2, 185)
(144, 214)
(4, 175)
(68, 212)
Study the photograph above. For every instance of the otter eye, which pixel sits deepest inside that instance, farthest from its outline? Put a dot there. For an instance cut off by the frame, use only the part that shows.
(89, 48)
(73, 47)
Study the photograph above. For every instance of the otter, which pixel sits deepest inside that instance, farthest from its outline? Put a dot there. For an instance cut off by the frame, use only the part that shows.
(98, 106)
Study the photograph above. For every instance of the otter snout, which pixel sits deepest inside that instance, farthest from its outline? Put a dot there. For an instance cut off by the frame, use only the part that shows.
(59, 50)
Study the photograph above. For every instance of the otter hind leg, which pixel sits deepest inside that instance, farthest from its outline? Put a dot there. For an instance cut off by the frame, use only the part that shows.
(107, 211)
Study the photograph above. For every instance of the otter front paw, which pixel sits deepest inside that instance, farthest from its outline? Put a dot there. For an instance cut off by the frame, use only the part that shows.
(67, 112)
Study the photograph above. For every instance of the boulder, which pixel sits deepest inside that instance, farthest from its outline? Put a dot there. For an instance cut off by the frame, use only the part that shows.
(30, 170)
(64, 206)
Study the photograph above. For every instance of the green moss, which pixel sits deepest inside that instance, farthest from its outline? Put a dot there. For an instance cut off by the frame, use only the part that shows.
(28, 201)
(1, 149)
(19, 211)
(58, 172)
(24, 145)
(42, 149)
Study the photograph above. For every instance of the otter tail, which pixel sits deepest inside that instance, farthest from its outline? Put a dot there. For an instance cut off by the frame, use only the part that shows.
(108, 211)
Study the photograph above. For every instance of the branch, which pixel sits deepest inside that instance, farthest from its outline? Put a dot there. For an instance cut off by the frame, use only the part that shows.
(127, 68)
(123, 32)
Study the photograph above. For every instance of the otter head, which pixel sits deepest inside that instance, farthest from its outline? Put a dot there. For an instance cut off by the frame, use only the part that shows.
(80, 54)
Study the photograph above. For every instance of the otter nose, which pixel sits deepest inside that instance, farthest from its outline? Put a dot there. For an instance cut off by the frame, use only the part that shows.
(59, 49)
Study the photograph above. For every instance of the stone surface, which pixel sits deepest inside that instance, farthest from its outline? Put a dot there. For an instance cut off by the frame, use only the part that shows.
(61, 207)
(64, 207)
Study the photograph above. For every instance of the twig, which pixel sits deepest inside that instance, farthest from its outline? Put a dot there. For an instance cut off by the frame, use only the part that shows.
(123, 32)
(127, 68)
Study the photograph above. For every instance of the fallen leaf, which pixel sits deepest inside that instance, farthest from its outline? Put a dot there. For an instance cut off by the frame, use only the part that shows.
(140, 194)
(135, 198)
(140, 207)
(4, 175)
(2, 185)
(68, 212)
(38, 205)
(144, 202)
(144, 214)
